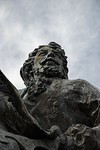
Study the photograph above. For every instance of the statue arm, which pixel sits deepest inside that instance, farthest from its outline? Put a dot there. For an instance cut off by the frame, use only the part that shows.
(82, 136)
(29, 125)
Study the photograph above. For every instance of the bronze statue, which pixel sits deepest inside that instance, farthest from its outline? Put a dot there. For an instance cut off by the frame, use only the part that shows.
(53, 112)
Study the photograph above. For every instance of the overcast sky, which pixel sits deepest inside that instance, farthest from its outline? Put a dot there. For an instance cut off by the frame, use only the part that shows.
(74, 24)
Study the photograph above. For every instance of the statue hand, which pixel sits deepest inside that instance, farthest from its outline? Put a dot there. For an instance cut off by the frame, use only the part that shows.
(56, 133)
(81, 137)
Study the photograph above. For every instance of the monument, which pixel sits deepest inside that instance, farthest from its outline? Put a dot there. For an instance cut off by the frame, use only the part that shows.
(52, 112)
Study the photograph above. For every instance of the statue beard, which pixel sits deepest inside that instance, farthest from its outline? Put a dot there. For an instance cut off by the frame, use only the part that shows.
(42, 78)
(38, 84)
(53, 72)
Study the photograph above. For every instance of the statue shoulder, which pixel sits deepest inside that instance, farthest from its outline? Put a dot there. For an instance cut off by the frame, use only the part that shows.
(80, 85)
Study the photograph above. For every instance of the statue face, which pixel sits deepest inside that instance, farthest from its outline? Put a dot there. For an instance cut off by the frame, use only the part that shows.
(49, 61)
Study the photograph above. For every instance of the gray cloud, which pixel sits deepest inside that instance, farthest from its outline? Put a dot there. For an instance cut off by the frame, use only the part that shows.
(74, 24)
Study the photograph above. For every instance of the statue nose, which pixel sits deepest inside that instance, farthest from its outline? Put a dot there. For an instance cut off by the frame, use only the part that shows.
(50, 54)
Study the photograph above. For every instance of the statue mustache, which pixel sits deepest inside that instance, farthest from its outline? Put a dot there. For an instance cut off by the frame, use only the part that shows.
(49, 60)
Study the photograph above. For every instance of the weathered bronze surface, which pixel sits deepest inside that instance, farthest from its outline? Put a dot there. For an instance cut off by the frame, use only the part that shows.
(52, 112)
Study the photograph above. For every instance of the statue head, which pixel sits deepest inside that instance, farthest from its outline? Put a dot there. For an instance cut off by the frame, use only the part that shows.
(46, 61)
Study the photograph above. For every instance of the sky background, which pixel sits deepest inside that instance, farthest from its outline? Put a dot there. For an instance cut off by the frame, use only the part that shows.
(74, 24)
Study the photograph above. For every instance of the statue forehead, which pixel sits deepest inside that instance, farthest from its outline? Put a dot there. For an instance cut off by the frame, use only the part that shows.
(42, 48)
(48, 48)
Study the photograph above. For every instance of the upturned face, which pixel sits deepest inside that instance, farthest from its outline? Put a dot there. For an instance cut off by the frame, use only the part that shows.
(49, 61)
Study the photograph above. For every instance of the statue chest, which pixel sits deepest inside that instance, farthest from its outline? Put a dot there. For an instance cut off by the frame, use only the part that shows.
(59, 105)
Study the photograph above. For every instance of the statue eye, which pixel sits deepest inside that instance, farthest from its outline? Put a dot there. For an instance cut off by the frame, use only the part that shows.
(57, 53)
(43, 53)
